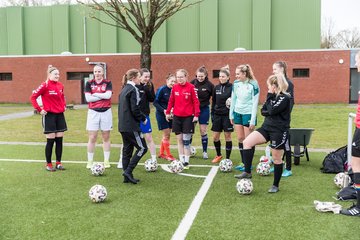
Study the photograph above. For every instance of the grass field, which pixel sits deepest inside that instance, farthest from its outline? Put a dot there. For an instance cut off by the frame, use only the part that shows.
(41, 205)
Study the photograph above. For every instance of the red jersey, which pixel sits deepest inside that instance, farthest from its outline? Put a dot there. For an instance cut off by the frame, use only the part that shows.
(102, 87)
(52, 95)
(184, 101)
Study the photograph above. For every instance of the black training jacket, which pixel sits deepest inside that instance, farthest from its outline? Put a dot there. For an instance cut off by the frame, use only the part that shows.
(221, 93)
(204, 90)
(147, 95)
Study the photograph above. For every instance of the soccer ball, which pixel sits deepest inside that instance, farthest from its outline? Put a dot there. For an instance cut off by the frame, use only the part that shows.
(97, 193)
(192, 151)
(225, 165)
(97, 169)
(176, 166)
(228, 102)
(342, 180)
(263, 168)
(150, 165)
(244, 186)
(265, 159)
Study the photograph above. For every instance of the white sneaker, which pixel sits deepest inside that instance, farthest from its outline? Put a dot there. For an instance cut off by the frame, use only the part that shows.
(89, 164)
(205, 155)
(120, 164)
(107, 164)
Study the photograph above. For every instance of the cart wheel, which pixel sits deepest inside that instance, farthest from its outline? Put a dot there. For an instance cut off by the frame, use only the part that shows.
(296, 160)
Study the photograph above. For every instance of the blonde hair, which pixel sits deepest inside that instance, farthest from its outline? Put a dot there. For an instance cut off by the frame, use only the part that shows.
(50, 69)
(247, 70)
(280, 83)
(225, 70)
(130, 74)
(183, 71)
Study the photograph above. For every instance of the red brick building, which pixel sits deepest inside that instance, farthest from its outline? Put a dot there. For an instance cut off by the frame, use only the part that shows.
(319, 76)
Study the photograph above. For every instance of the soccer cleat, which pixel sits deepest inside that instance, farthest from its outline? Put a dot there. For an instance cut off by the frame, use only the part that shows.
(241, 167)
(205, 155)
(352, 211)
(271, 169)
(286, 173)
(170, 157)
(273, 189)
(129, 178)
(89, 164)
(243, 175)
(107, 164)
(50, 168)
(186, 165)
(217, 159)
(59, 166)
(163, 156)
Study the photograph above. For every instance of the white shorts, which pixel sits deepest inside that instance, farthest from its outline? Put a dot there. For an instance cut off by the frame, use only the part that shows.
(99, 120)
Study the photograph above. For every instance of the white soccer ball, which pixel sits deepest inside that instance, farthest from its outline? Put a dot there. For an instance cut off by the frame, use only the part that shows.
(263, 168)
(342, 180)
(97, 169)
(192, 151)
(97, 193)
(228, 102)
(244, 186)
(225, 165)
(176, 166)
(265, 159)
(150, 165)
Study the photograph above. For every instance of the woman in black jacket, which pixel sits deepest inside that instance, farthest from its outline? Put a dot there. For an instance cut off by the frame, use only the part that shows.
(275, 128)
(130, 116)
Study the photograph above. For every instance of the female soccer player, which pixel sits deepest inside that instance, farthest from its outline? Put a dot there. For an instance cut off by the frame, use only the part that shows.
(220, 114)
(204, 89)
(98, 93)
(130, 116)
(280, 67)
(275, 128)
(355, 159)
(185, 104)
(53, 119)
(161, 104)
(147, 95)
(244, 103)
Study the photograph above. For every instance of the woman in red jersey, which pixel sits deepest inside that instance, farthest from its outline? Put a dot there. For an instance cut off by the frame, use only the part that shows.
(52, 111)
(186, 109)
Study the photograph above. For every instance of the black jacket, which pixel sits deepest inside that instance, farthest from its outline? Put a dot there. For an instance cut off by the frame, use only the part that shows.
(276, 111)
(291, 91)
(147, 95)
(221, 93)
(129, 113)
(204, 91)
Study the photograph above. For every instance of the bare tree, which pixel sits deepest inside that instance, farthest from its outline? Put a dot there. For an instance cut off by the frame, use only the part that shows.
(28, 3)
(348, 38)
(141, 18)
(328, 34)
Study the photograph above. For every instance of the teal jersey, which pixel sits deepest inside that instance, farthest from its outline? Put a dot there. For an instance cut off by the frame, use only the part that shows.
(245, 99)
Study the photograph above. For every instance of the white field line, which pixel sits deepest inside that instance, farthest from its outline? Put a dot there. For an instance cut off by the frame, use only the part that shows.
(191, 213)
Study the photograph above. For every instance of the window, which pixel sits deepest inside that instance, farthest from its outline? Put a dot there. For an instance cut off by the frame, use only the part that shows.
(77, 75)
(216, 73)
(5, 76)
(301, 73)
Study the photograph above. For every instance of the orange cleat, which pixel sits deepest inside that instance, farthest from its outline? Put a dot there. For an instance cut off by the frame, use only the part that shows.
(163, 156)
(217, 159)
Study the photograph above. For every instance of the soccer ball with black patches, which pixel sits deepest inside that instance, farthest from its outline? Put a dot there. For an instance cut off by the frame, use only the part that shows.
(228, 102)
(263, 168)
(176, 166)
(97, 193)
(244, 186)
(342, 180)
(97, 169)
(225, 165)
(192, 151)
(150, 165)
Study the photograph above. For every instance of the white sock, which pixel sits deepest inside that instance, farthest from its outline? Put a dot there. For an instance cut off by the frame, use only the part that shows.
(153, 157)
(90, 156)
(106, 156)
(182, 158)
(187, 158)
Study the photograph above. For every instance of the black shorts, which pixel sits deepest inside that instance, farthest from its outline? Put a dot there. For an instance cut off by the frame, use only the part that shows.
(54, 122)
(277, 138)
(182, 125)
(355, 149)
(221, 123)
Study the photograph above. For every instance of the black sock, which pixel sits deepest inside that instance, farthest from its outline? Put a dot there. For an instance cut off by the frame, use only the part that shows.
(288, 160)
(218, 148)
(278, 169)
(357, 187)
(48, 149)
(228, 147)
(241, 146)
(204, 142)
(58, 148)
(248, 155)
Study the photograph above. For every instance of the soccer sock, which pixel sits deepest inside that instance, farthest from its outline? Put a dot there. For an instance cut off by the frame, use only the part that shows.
(186, 159)
(278, 169)
(58, 148)
(48, 149)
(357, 187)
(106, 155)
(182, 158)
(204, 142)
(90, 156)
(241, 147)
(167, 147)
(248, 155)
(228, 147)
(217, 148)
(288, 160)
(162, 148)
(153, 157)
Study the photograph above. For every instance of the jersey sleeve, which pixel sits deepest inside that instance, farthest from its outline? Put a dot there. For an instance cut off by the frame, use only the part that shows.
(36, 93)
